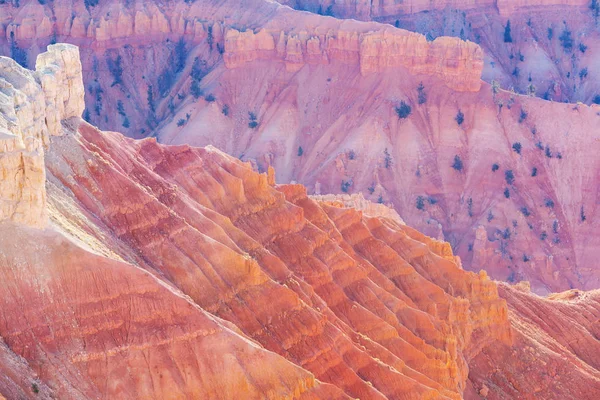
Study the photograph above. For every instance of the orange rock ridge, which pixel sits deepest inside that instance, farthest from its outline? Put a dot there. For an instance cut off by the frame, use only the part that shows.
(179, 272)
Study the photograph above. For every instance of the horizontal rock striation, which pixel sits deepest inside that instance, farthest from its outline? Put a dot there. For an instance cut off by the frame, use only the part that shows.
(374, 9)
(180, 272)
(457, 63)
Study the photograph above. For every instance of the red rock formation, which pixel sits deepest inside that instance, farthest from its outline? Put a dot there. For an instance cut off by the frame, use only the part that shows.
(180, 272)
(312, 84)
(549, 334)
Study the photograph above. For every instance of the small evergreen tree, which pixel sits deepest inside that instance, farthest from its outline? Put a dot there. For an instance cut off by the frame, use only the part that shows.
(460, 117)
(509, 176)
(457, 164)
(517, 147)
(422, 96)
(507, 33)
(403, 110)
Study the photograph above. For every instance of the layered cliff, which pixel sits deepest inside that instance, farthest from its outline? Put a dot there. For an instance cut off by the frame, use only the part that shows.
(32, 106)
(180, 272)
(372, 48)
(140, 40)
(378, 9)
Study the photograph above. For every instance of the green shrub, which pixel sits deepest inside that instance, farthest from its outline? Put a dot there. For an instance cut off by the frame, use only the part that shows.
(509, 176)
(460, 117)
(517, 147)
(458, 164)
(422, 96)
(403, 110)
(420, 204)
(507, 33)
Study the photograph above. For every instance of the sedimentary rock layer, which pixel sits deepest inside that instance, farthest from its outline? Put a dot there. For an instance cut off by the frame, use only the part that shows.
(32, 106)
(180, 272)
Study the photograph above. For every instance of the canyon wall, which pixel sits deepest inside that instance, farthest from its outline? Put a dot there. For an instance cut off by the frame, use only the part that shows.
(457, 63)
(33, 106)
(138, 39)
(168, 261)
(375, 9)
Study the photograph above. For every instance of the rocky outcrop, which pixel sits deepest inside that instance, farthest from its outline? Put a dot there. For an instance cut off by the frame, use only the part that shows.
(32, 106)
(374, 9)
(358, 202)
(457, 63)
(170, 261)
(549, 334)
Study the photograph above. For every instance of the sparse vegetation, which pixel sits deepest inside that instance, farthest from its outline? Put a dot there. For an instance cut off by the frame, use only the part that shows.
(507, 33)
(509, 176)
(116, 69)
(17, 53)
(209, 37)
(387, 159)
(420, 204)
(566, 40)
(539, 145)
(198, 69)
(457, 164)
(195, 90)
(517, 147)
(252, 123)
(181, 54)
(522, 116)
(403, 110)
(422, 96)
(595, 7)
(460, 117)
(346, 185)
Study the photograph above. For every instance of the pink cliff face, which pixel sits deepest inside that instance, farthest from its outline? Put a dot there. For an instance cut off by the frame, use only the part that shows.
(304, 206)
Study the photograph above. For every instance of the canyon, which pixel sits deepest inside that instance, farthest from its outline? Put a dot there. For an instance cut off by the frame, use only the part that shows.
(345, 106)
(172, 271)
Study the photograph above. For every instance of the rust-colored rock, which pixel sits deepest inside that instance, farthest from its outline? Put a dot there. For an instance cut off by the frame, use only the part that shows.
(180, 272)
